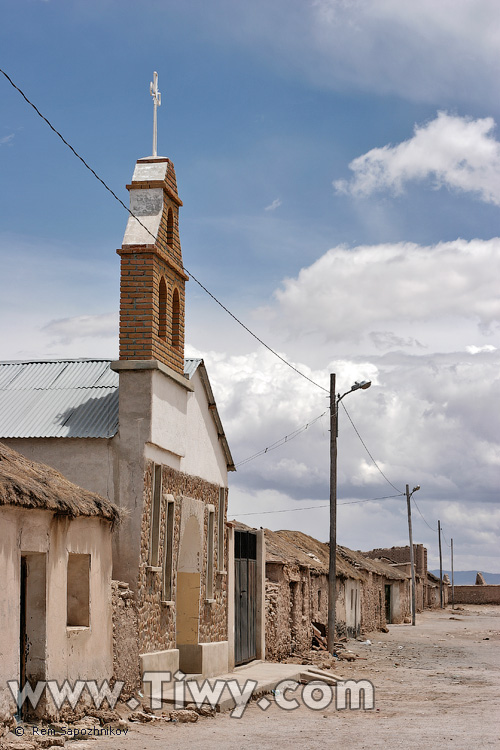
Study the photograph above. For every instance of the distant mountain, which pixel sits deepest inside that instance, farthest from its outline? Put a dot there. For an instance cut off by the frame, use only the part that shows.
(468, 577)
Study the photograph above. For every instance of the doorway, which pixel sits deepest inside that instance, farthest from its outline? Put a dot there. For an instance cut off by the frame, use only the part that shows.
(388, 617)
(33, 605)
(245, 596)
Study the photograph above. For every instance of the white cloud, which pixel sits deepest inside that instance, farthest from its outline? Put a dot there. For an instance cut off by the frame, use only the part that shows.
(7, 139)
(354, 293)
(70, 330)
(456, 152)
(274, 205)
(424, 51)
(478, 349)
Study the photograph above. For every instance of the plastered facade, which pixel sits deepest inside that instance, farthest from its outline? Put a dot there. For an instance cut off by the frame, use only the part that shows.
(56, 650)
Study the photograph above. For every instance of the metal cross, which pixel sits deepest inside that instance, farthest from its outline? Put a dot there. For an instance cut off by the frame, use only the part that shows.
(153, 90)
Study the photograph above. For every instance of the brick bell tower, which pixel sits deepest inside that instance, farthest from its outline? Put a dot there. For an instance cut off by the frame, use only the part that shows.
(152, 278)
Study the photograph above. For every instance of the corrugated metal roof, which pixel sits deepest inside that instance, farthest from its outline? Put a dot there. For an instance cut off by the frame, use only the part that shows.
(64, 398)
(73, 399)
(190, 366)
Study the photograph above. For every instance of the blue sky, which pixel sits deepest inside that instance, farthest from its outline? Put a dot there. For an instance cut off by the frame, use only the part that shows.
(339, 164)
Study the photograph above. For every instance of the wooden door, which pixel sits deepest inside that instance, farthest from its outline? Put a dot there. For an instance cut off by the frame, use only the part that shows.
(245, 596)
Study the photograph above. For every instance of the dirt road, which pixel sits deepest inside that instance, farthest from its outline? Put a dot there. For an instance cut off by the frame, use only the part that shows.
(436, 685)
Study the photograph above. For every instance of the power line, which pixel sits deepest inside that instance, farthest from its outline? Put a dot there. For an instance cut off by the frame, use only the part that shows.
(266, 346)
(314, 507)
(281, 441)
(423, 519)
(442, 532)
(366, 449)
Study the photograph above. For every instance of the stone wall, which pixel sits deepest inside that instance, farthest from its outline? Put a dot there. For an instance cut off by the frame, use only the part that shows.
(291, 607)
(156, 620)
(489, 594)
(125, 645)
(296, 597)
(373, 602)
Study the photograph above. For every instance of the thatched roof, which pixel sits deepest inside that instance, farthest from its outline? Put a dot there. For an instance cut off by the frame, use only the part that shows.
(297, 548)
(379, 567)
(28, 484)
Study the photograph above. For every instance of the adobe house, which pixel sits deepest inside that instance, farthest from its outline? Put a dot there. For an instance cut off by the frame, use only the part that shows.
(297, 593)
(385, 590)
(144, 432)
(427, 585)
(55, 598)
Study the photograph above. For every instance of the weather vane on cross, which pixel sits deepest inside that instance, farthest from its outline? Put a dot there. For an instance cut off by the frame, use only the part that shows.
(153, 90)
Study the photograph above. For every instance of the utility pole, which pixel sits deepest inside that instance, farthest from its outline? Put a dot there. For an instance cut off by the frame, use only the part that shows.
(440, 568)
(332, 570)
(452, 580)
(412, 560)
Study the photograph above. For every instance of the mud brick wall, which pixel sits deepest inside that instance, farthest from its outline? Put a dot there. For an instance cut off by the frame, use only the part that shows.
(156, 621)
(288, 629)
(372, 603)
(402, 555)
(319, 598)
(489, 594)
(126, 665)
(292, 607)
(278, 639)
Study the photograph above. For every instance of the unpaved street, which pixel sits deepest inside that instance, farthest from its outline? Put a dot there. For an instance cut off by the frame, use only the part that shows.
(437, 685)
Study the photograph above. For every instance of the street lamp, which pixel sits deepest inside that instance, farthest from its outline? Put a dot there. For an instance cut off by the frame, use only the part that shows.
(332, 571)
(412, 561)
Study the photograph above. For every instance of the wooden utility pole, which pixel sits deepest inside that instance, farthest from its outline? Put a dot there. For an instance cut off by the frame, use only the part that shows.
(452, 580)
(412, 560)
(440, 568)
(332, 570)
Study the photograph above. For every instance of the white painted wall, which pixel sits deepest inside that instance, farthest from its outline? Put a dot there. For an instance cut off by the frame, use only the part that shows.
(204, 454)
(71, 653)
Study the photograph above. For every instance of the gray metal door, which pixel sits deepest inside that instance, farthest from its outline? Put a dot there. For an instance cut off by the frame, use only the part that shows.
(245, 595)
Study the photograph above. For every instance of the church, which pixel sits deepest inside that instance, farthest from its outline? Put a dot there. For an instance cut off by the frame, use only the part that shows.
(143, 432)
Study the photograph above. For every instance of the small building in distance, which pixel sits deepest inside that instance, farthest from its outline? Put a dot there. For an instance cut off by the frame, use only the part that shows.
(427, 588)
(55, 598)
(385, 590)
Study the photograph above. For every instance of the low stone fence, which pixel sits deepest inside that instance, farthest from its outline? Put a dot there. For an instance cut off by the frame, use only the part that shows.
(489, 594)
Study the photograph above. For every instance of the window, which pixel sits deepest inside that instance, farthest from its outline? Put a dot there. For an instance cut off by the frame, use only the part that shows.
(210, 554)
(319, 600)
(162, 310)
(78, 591)
(154, 542)
(176, 319)
(170, 227)
(169, 545)
(222, 525)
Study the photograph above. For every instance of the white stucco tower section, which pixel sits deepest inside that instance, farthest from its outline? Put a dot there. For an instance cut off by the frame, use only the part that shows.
(205, 457)
(146, 204)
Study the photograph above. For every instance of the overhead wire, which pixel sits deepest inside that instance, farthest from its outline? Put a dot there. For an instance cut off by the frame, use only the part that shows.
(442, 532)
(235, 318)
(197, 281)
(316, 507)
(281, 441)
(366, 449)
(422, 516)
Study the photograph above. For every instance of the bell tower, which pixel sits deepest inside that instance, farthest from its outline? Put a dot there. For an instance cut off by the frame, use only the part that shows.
(152, 277)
